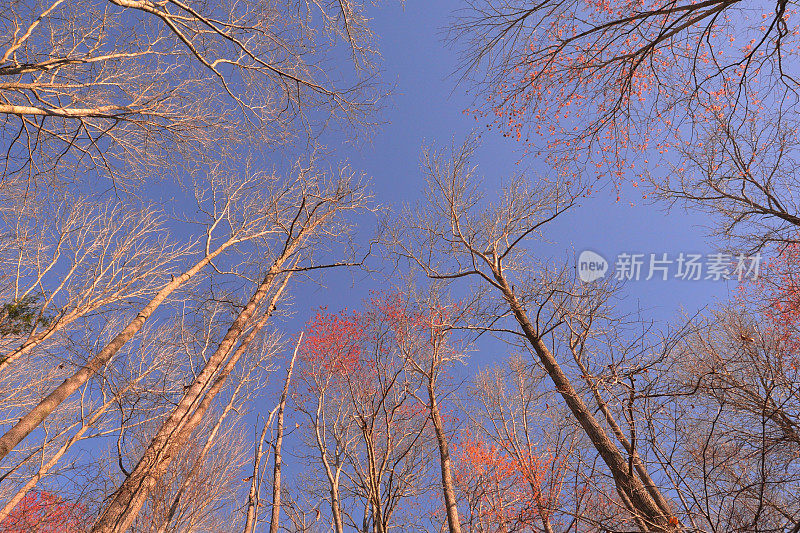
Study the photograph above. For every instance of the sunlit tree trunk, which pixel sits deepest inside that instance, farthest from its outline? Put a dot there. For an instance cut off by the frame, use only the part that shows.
(181, 423)
(274, 522)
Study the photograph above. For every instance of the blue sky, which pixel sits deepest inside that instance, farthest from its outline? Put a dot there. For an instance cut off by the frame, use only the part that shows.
(427, 107)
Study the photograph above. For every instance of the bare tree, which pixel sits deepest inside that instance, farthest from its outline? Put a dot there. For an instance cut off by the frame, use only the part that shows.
(722, 417)
(744, 177)
(425, 344)
(274, 520)
(131, 91)
(70, 263)
(515, 459)
(127, 86)
(129, 383)
(456, 236)
(253, 498)
(329, 423)
(214, 467)
(252, 209)
(315, 213)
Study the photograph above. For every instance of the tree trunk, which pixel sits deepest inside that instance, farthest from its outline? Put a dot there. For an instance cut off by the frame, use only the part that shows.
(453, 522)
(276, 471)
(50, 403)
(648, 510)
(177, 428)
(336, 510)
(252, 495)
(198, 463)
